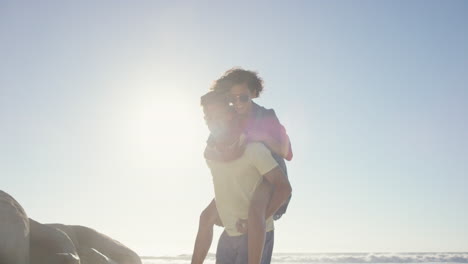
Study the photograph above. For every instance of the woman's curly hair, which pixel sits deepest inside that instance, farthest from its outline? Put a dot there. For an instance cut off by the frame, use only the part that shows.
(237, 76)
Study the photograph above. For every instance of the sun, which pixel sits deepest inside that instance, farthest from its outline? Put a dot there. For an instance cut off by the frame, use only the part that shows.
(166, 128)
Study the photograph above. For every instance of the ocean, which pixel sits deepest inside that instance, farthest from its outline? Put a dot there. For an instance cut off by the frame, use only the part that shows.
(329, 258)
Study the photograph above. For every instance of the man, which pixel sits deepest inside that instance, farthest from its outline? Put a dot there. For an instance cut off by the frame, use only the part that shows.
(236, 180)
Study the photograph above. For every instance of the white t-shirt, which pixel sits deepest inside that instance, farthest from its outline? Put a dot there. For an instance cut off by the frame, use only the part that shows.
(235, 182)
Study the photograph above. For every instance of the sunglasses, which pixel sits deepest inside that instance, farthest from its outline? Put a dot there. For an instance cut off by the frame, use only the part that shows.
(243, 98)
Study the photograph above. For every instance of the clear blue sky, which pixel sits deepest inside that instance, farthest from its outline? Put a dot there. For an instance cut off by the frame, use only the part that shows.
(100, 122)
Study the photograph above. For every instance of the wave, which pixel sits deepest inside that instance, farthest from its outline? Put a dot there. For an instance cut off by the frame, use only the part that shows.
(441, 257)
(372, 258)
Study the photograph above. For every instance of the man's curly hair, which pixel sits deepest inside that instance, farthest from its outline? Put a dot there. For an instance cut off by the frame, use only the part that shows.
(237, 76)
(213, 97)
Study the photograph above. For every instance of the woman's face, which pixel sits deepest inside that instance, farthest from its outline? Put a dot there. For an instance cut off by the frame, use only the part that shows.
(241, 98)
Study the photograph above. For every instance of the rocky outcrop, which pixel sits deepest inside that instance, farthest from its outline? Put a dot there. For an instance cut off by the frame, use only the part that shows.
(68, 244)
(86, 238)
(26, 241)
(92, 256)
(14, 231)
(50, 245)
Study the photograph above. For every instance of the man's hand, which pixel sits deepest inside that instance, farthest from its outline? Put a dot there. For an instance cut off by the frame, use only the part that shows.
(241, 226)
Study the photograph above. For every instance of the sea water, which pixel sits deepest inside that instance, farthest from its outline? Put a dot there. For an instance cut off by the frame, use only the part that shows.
(329, 258)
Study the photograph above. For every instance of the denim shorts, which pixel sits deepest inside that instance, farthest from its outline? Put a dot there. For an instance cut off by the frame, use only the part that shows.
(233, 249)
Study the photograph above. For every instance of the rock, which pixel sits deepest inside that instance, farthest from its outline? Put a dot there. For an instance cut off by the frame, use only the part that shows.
(26, 241)
(86, 238)
(69, 244)
(92, 256)
(50, 245)
(14, 231)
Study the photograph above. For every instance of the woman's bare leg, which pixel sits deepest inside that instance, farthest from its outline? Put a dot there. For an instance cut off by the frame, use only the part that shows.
(208, 218)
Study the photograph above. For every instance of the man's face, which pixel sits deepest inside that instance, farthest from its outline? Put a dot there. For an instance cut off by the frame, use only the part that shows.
(218, 119)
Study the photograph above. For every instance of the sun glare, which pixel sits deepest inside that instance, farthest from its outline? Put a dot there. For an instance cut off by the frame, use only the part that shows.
(162, 127)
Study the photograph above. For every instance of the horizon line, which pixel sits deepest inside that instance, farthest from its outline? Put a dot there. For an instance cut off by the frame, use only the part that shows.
(323, 252)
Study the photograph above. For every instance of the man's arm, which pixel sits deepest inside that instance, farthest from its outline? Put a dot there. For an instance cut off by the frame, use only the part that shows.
(274, 182)
(281, 190)
(256, 227)
(208, 218)
(275, 185)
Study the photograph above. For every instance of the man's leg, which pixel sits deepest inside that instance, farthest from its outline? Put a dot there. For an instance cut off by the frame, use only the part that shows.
(226, 252)
(241, 247)
(208, 218)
